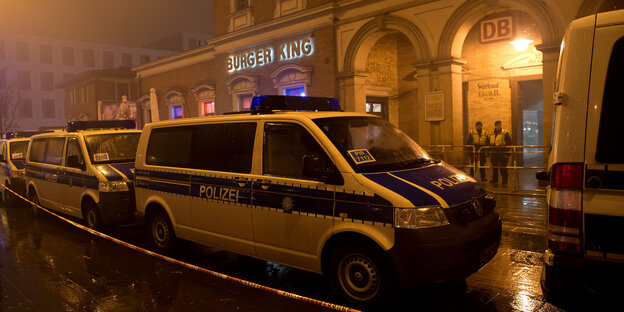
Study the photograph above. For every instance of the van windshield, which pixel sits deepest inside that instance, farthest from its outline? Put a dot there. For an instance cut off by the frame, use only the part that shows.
(18, 150)
(372, 144)
(112, 147)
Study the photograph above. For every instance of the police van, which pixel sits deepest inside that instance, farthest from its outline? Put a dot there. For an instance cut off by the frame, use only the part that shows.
(586, 165)
(301, 183)
(85, 171)
(13, 148)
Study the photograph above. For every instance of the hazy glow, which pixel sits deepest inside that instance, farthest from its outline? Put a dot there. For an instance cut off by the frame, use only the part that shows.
(521, 44)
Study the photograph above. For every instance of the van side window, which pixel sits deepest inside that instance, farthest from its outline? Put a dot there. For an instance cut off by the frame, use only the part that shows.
(73, 152)
(54, 151)
(170, 146)
(285, 146)
(37, 150)
(225, 147)
(610, 139)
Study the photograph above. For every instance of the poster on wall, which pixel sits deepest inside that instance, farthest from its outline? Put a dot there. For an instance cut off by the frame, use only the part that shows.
(489, 100)
(434, 106)
(119, 111)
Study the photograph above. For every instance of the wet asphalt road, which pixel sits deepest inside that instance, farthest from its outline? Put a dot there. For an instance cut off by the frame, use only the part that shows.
(48, 265)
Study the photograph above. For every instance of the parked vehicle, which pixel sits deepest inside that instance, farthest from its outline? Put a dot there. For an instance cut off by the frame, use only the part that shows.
(586, 164)
(13, 148)
(85, 171)
(299, 182)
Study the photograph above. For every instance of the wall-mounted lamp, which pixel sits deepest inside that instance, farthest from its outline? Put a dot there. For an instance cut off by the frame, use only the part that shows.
(521, 44)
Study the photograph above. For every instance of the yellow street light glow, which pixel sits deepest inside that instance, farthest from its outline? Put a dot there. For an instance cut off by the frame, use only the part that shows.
(521, 44)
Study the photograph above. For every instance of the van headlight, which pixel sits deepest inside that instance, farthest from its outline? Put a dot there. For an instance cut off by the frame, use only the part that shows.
(113, 186)
(420, 217)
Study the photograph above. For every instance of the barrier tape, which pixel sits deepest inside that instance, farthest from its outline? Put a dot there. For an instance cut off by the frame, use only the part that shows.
(188, 265)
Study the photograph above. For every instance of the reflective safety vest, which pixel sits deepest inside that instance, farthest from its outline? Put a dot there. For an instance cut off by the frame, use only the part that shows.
(478, 139)
(498, 139)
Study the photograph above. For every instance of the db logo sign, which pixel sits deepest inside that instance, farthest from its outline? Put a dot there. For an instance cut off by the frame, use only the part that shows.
(496, 29)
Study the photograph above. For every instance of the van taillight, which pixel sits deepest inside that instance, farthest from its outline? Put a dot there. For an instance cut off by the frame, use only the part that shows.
(564, 209)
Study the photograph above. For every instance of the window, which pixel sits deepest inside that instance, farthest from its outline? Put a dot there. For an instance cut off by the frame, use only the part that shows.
(54, 151)
(18, 150)
(88, 58)
(48, 109)
(45, 54)
(47, 81)
(281, 137)
(25, 108)
(240, 5)
(176, 112)
(22, 51)
(144, 59)
(37, 149)
(122, 89)
(294, 91)
(112, 148)
(73, 156)
(108, 59)
(230, 148)
(208, 108)
(610, 139)
(377, 106)
(126, 59)
(159, 151)
(23, 80)
(67, 56)
(244, 102)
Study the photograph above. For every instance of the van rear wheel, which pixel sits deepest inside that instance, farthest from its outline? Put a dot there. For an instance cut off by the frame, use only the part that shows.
(161, 231)
(360, 274)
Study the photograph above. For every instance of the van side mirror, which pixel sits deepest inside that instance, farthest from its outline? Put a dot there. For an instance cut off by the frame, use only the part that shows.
(315, 166)
(542, 175)
(74, 162)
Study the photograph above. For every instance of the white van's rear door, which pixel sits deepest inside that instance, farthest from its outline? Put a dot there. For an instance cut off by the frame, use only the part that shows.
(603, 211)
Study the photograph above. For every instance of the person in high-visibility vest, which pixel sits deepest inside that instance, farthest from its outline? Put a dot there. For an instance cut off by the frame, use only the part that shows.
(499, 139)
(478, 138)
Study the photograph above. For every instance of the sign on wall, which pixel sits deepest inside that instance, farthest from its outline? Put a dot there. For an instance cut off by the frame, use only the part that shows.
(434, 106)
(266, 55)
(496, 29)
(489, 100)
(119, 111)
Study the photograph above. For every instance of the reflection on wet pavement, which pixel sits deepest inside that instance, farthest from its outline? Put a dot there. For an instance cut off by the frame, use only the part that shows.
(48, 265)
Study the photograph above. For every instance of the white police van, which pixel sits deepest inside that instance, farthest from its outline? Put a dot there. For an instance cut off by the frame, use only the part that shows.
(85, 171)
(586, 164)
(300, 183)
(13, 148)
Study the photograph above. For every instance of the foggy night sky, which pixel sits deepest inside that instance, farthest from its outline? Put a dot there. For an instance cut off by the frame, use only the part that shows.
(121, 22)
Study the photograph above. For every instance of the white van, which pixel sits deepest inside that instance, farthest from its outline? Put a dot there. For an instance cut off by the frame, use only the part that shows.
(301, 183)
(13, 148)
(586, 164)
(85, 171)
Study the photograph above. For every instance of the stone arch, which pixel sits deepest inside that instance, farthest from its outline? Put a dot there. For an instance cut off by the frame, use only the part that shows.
(550, 22)
(366, 37)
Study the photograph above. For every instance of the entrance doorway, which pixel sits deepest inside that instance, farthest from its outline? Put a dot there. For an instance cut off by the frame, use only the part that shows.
(531, 125)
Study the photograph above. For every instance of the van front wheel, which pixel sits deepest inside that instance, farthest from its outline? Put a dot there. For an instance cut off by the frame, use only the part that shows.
(161, 230)
(92, 217)
(360, 274)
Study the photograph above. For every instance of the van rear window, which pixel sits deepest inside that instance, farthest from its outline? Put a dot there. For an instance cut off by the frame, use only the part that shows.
(610, 138)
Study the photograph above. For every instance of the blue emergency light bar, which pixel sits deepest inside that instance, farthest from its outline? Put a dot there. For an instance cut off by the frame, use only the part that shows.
(266, 104)
(23, 134)
(100, 124)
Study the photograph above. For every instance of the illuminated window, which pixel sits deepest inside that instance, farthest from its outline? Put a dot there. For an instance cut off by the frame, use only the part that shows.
(176, 112)
(244, 102)
(208, 108)
(377, 106)
(294, 91)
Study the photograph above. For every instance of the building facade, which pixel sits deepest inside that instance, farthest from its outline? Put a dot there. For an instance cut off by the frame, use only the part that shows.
(32, 67)
(431, 67)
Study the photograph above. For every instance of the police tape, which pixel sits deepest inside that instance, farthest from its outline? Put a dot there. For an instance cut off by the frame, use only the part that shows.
(188, 265)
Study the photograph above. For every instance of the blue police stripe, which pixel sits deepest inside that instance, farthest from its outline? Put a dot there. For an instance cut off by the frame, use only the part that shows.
(108, 173)
(451, 190)
(181, 177)
(306, 200)
(19, 164)
(125, 168)
(63, 177)
(178, 189)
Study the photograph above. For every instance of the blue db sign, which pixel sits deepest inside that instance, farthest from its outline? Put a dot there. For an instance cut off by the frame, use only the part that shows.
(496, 29)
